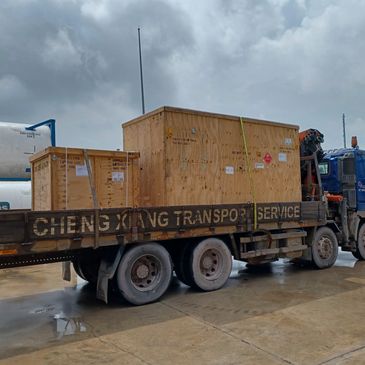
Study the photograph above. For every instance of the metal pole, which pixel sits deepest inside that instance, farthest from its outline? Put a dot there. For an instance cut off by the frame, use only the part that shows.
(140, 68)
(344, 130)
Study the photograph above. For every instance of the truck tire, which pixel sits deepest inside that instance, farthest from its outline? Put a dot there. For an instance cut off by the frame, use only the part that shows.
(182, 265)
(360, 244)
(210, 264)
(324, 248)
(144, 273)
(87, 268)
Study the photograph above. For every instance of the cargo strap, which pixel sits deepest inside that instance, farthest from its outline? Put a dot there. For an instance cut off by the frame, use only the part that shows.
(94, 196)
(66, 177)
(91, 180)
(248, 163)
(127, 178)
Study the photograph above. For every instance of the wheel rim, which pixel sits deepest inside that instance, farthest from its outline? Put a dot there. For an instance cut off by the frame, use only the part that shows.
(146, 272)
(211, 264)
(325, 247)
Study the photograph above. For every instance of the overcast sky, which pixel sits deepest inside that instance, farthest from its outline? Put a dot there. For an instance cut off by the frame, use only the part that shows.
(293, 61)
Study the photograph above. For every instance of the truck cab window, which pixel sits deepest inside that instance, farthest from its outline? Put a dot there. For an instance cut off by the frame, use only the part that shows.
(324, 168)
(349, 166)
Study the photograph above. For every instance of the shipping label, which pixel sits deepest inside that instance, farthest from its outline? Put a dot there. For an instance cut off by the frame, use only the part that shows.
(81, 170)
(117, 176)
(282, 157)
(229, 170)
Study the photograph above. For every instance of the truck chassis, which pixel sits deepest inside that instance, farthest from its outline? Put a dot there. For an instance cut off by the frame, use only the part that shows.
(138, 248)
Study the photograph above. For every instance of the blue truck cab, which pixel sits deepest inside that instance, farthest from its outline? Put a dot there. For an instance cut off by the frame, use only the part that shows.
(342, 174)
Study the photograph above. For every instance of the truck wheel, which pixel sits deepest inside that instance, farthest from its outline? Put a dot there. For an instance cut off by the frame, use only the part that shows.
(324, 248)
(144, 273)
(87, 268)
(210, 264)
(360, 245)
(182, 265)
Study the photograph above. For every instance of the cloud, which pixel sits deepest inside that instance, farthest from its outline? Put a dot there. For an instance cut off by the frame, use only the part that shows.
(296, 61)
(59, 51)
(96, 9)
(11, 87)
(79, 62)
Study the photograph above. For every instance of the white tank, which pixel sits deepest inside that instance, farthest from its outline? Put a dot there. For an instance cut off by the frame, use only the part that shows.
(15, 195)
(17, 144)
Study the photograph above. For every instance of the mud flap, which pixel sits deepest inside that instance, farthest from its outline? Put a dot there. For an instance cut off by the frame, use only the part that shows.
(66, 270)
(108, 266)
(307, 254)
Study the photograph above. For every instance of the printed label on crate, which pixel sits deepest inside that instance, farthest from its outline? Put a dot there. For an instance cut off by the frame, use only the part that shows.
(81, 170)
(259, 165)
(117, 176)
(288, 141)
(229, 170)
(282, 157)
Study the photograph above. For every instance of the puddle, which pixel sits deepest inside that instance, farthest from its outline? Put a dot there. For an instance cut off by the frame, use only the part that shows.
(67, 326)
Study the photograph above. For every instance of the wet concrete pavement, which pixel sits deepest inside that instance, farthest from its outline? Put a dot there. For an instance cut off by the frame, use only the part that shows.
(279, 314)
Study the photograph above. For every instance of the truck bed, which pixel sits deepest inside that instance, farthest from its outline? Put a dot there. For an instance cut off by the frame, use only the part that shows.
(31, 237)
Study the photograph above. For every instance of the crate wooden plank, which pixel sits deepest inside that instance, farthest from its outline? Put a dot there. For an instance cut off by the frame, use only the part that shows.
(191, 157)
(149, 138)
(61, 180)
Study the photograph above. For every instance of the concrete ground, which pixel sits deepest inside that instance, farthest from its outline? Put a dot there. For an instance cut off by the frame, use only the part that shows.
(280, 314)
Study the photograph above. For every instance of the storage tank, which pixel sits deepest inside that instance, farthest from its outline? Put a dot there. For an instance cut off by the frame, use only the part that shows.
(15, 195)
(18, 142)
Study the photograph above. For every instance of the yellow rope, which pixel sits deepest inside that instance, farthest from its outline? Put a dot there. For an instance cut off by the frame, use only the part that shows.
(248, 162)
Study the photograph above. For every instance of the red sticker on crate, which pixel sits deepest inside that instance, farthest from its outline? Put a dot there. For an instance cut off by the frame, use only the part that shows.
(267, 158)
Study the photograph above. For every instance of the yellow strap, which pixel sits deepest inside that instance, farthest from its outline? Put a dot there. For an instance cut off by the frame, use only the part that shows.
(248, 162)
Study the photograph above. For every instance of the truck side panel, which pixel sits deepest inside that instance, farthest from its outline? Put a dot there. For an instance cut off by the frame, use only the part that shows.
(29, 232)
(360, 172)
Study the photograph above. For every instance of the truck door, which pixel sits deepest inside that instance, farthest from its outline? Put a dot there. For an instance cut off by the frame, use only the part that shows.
(347, 173)
(360, 172)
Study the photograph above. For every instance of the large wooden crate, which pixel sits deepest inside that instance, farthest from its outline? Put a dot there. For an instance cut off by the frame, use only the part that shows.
(60, 179)
(192, 157)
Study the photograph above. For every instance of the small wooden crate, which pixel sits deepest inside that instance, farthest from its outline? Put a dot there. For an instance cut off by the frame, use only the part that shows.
(60, 179)
(191, 157)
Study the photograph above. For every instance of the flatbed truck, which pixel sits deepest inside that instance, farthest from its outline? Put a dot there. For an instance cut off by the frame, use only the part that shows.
(136, 250)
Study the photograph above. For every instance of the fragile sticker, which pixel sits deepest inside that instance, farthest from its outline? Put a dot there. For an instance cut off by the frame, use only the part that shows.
(267, 158)
(81, 170)
(259, 165)
(282, 157)
(229, 170)
(117, 176)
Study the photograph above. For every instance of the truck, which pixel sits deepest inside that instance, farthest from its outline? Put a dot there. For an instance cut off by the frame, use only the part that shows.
(343, 179)
(135, 250)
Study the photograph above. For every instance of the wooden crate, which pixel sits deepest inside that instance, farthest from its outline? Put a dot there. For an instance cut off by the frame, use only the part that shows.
(192, 157)
(60, 179)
